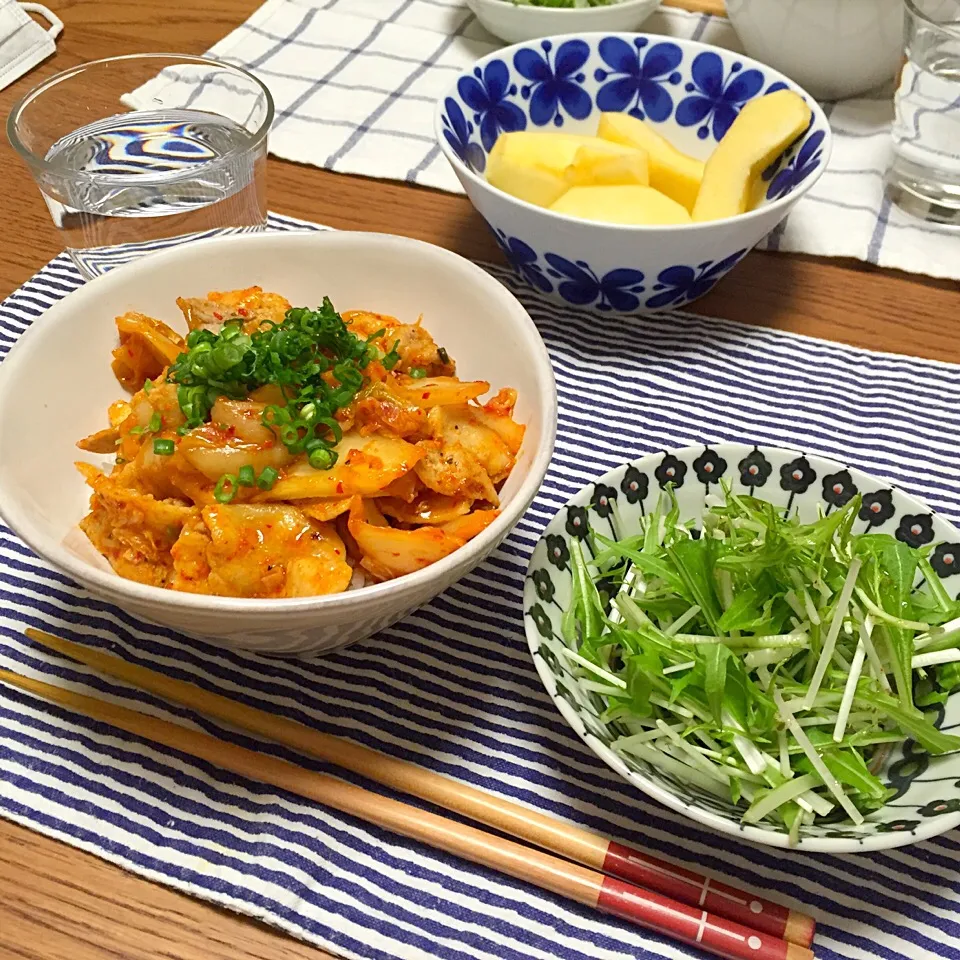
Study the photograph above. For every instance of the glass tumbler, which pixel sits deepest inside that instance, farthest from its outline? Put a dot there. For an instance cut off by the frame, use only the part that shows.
(134, 153)
(924, 179)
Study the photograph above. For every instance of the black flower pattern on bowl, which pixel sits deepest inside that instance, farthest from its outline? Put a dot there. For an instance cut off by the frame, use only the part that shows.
(877, 508)
(542, 621)
(709, 467)
(915, 529)
(557, 551)
(635, 485)
(937, 807)
(797, 475)
(546, 654)
(577, 522)
(603, 498)
(755, 469)
(671, 470)
(543, 583)
(946, 559)
(608, 588)
(898, 826)
(839, 488)
(921, 796)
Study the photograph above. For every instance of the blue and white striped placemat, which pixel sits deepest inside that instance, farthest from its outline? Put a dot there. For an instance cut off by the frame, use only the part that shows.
(355, 84)
(453, 688)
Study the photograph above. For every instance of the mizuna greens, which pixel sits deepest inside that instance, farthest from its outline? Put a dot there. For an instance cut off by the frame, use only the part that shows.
(763, 659)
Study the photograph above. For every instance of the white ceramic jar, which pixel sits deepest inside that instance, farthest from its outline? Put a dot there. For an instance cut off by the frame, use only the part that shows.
(833, 48)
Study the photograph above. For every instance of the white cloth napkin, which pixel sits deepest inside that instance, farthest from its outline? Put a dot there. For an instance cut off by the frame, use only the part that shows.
(24, 42)
(355, 83)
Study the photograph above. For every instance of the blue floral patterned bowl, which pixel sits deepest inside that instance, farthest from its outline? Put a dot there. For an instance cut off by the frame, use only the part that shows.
(927, 789)
(690, 91)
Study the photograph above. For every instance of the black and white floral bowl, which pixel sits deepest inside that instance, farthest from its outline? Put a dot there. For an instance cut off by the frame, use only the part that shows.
(927, 799)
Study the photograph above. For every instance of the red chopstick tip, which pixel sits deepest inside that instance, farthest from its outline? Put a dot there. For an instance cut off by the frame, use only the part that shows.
(800, 928)
(697, 890)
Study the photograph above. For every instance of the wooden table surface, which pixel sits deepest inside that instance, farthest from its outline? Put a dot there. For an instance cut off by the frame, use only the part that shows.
(57, 903)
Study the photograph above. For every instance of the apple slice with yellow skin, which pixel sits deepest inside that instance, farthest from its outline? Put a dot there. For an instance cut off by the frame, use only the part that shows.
(671, 171)
(764, 128)
(632, 205)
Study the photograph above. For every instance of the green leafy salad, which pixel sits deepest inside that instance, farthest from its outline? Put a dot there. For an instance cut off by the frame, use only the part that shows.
(763, 659)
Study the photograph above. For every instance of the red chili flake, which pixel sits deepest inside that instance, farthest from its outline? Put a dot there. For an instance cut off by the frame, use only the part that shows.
(217, 316)
(339, 487)
(426, 395)
(242, 311)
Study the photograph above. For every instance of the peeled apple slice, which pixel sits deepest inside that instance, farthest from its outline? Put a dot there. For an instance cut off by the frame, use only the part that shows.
(634, 205)
(671, 172)
(530, 165)
(533, 184)
(593, 167)
(764, 128)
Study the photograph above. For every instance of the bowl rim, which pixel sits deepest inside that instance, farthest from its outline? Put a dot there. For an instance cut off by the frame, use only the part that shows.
(113, 585)
(870, 843)
(781, 205)
(585, 13)
(41, 165)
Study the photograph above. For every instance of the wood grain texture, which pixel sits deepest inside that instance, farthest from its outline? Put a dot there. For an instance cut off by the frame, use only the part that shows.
(57, 902)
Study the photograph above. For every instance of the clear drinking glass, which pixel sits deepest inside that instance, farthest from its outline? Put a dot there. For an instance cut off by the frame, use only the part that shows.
(924, 179)
(133, 152)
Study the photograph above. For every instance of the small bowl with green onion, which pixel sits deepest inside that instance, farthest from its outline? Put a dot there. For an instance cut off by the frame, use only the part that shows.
(519, 20)
(765, 641)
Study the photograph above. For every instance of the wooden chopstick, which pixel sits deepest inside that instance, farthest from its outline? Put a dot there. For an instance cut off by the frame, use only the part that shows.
(590, 849)
(607, 894)
(716, 7)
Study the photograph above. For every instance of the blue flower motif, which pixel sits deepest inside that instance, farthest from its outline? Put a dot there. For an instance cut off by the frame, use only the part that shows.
(457, 131)
(715, 96)
(641, 80)
(799, 168)
(614, 291)
(682, 284)
(523, 258)
(551, 88)
(486, 94)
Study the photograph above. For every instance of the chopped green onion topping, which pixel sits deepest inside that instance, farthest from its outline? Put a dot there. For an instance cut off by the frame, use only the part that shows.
(246, 476)
(156, 423)
(163, 447)
(226, 488)
(147, 386)
(418, 373)
(311, 356)
(268, 477)
(322, 458)
(392, 358)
